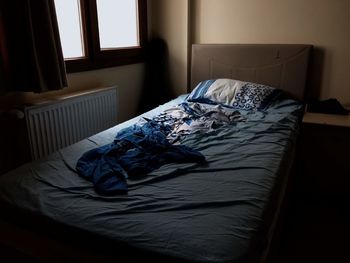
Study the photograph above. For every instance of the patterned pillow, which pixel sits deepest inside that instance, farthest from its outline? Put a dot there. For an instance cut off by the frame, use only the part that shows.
(255, 96)
(234, 93)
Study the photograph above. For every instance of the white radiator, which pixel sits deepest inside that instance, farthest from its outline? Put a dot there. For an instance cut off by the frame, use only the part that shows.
(54, 125)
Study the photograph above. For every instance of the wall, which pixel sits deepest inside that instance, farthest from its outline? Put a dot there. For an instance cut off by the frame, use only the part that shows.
(323, 23)
(169, 20)
(129, 80)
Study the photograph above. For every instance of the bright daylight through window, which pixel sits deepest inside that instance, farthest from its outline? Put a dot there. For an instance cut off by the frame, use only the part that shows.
(69, 23)
(117, 23)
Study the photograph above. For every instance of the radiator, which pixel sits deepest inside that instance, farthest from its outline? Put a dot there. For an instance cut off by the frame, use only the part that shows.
(54, 125)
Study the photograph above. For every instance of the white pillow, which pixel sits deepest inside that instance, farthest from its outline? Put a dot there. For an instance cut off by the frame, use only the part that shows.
(216, 91)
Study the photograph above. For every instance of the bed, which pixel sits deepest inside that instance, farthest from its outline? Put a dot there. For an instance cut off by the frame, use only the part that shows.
(222, 210)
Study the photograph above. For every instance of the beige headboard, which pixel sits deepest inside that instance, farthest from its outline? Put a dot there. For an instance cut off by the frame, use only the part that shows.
(283, 66)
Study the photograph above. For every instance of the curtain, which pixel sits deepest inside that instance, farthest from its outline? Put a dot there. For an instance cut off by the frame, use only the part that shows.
(31, 57)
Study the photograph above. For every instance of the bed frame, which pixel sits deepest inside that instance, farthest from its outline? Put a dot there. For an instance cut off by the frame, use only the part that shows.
(277, 65)
(282, 66)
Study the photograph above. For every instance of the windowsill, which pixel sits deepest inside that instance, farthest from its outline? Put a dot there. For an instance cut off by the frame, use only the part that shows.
(108, 60)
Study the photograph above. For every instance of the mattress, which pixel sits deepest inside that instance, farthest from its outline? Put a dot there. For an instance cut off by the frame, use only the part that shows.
(212, 212)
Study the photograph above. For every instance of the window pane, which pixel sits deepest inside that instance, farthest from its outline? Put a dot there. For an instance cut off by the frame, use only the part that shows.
(117, 23)
(69, 23)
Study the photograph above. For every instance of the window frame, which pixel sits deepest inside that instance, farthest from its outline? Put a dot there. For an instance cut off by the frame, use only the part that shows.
(95, 58)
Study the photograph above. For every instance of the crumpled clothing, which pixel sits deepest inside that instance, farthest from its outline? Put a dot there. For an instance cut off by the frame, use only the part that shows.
(136, 150)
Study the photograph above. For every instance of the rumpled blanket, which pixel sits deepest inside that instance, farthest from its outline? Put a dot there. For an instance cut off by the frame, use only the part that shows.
(188, 118)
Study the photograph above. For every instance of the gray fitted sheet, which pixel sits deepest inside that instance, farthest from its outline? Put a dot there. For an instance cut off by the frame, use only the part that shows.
(200, 213)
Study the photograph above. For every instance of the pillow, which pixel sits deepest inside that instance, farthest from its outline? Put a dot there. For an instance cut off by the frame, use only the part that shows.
(255, 96)
(234, 93)
(216, 91)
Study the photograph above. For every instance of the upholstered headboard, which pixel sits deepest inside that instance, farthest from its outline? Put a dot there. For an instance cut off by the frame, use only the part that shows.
(283, 66)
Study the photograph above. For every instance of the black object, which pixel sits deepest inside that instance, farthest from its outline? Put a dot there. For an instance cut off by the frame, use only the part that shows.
(156, 82)
(329, 106)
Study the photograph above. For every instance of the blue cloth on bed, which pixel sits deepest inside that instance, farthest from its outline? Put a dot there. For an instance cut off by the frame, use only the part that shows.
(135, 151)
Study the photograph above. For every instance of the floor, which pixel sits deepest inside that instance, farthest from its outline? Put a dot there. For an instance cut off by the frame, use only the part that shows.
(9, 255)
(317, 229)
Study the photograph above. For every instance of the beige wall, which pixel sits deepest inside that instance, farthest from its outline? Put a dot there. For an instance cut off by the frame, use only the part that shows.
(323, 23)
(168, 19)
(129, 82)
(128, 79)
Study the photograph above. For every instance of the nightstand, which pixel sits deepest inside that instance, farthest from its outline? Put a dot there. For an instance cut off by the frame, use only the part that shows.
(325, 155)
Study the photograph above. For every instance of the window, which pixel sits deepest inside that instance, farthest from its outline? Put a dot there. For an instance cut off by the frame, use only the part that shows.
(123, 16)
(101, 33)
(70, 27)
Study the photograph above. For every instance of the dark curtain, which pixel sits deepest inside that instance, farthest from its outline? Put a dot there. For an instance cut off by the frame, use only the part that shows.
(31, 57)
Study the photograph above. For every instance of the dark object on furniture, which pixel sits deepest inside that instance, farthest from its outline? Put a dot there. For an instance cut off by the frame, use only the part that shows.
(329, 106)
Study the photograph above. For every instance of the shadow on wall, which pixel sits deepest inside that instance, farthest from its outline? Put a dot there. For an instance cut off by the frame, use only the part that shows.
(14, 144)
(156, 88)
(314, 82)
